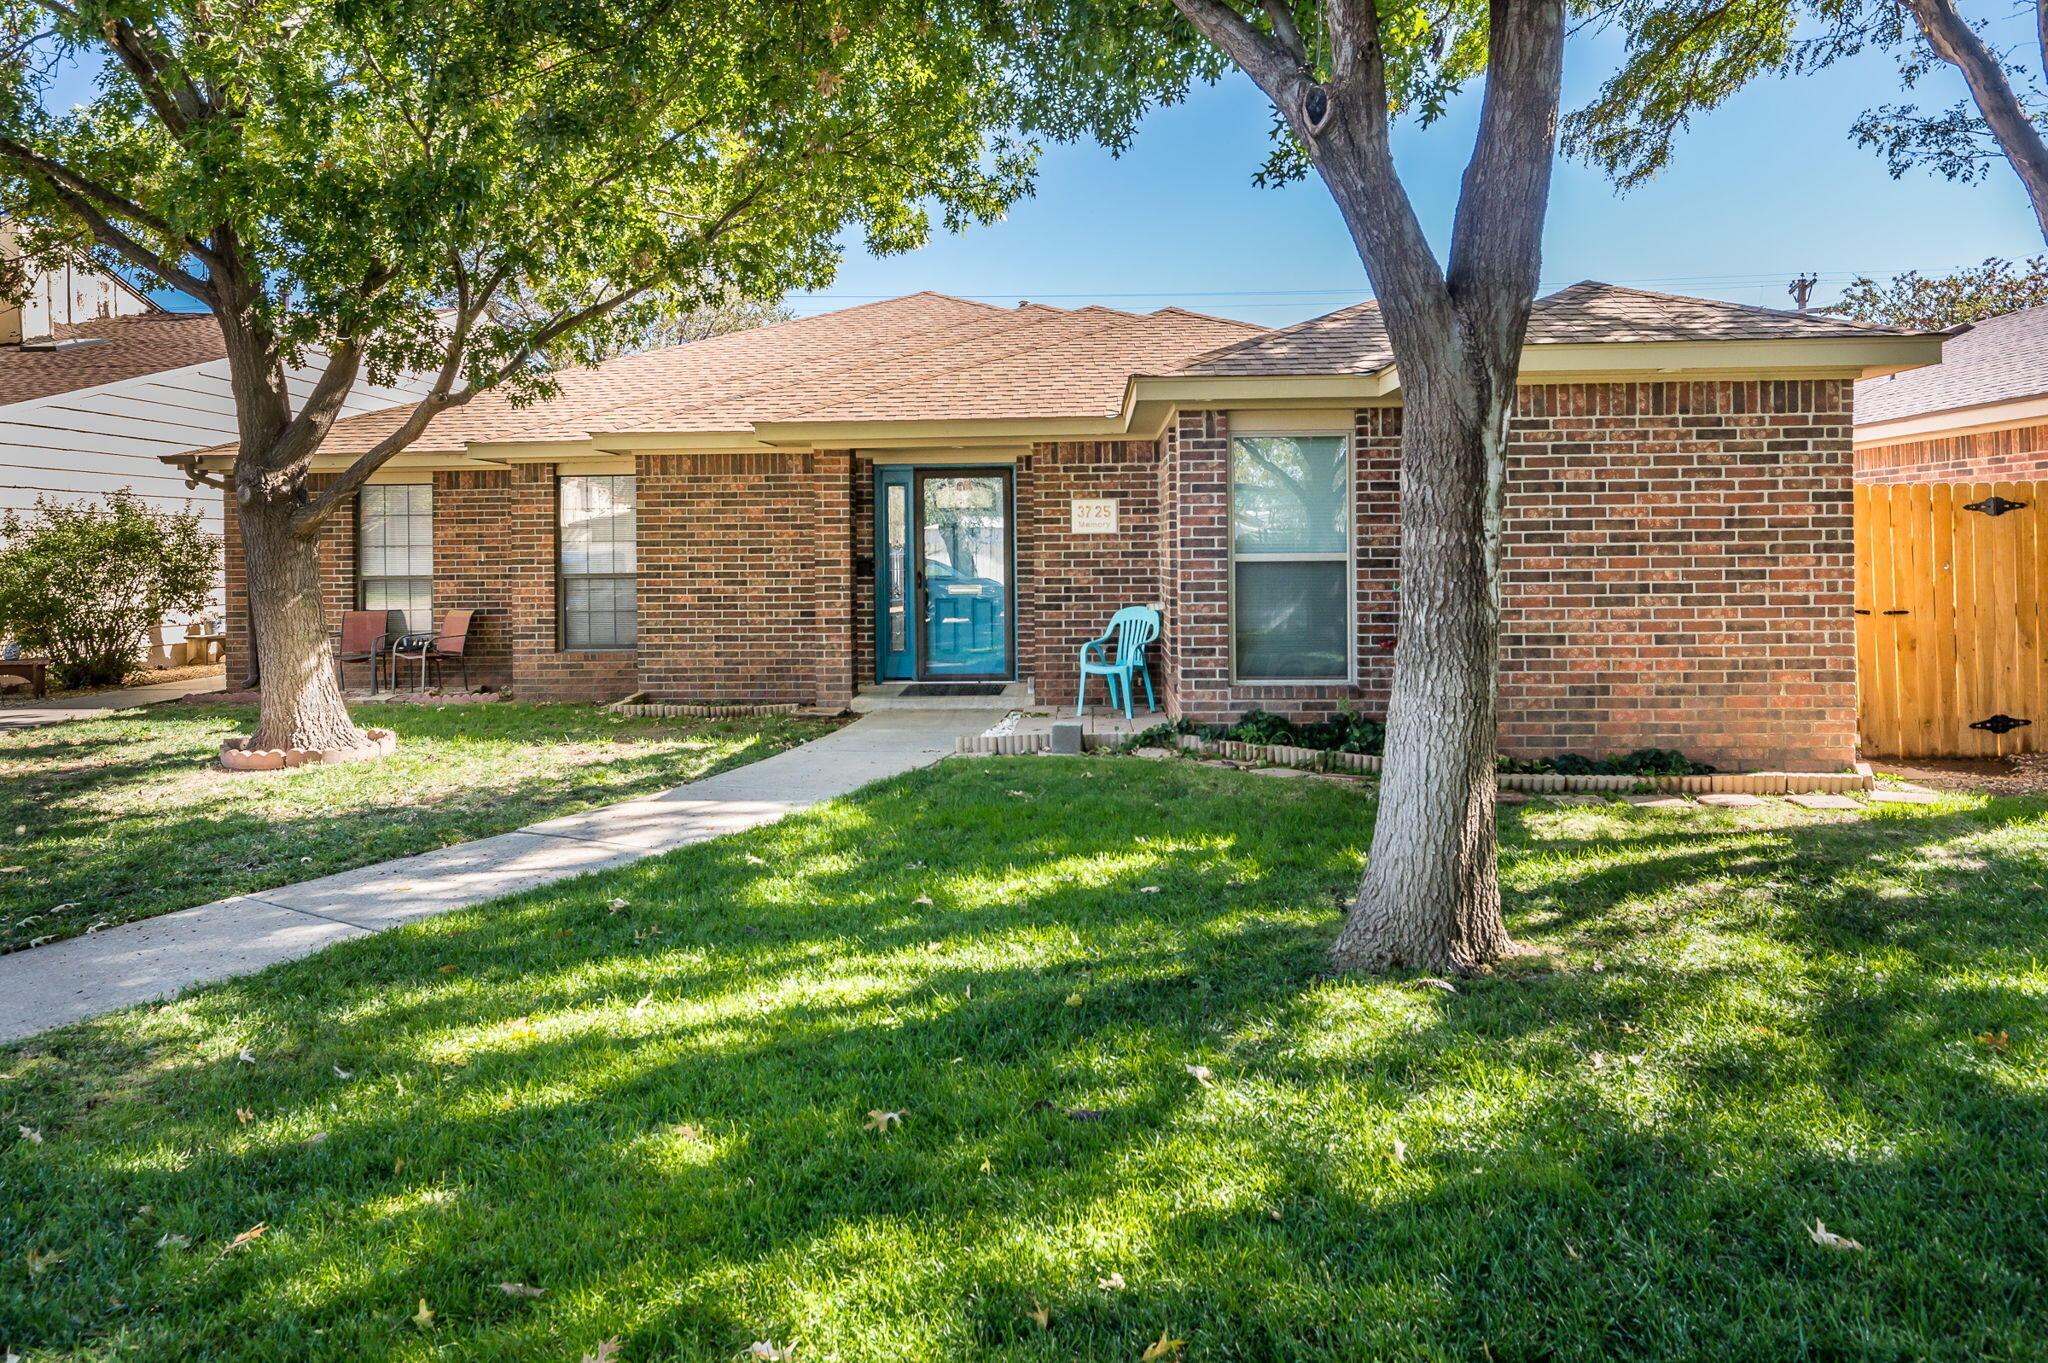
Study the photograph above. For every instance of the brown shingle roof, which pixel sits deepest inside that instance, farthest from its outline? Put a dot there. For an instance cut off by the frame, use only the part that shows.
(123, 348)
(1354, 340)
(1996, 360)
(923, 357)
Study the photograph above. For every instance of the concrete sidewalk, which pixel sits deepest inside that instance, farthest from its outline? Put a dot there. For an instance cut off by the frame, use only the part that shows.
(38, 713)
(83, 976)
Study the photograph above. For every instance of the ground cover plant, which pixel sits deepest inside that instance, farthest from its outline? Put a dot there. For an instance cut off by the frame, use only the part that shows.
(107, 820)
(1039, 1059)
(1347, 731)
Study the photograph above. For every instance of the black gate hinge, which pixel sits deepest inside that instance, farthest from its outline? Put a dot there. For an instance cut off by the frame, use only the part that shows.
(2001, 724)
(1993, 506)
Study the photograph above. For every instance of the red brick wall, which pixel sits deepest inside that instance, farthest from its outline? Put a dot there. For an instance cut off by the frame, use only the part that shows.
(2019, 454)
(1678, 572)
(1074, 583)
(530, 564)
(746, 577)
(470, 571)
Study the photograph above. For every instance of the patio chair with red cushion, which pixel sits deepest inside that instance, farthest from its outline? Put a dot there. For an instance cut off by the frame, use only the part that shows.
(435, 650)
(366, 638)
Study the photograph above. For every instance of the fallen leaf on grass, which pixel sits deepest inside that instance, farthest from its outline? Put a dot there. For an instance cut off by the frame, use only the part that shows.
(31, 1135)
(246, 1056)
(879, 1121)
(1041, 1313)
(40, 1263)
(1148, 889)
(923, 901)
(254, 1232)
(1113, 1282)
(1201, 1074)
(766, 1348)
(343, 1075)
(618, 904)
(1827, 1239)
(607, 1352)
(169, 1241)
(521, 1290)
(1163, 1347)
(1074, 999)
(1400, 1151)
(753, 860)
(424, 1317)
(448, 969)
(1994, 1041)
(1434, 983)
(317, 1138)
(243, 1116)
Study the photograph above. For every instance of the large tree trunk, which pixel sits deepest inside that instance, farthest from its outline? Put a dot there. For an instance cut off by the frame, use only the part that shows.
(302, 705)
(1430, 898)
(1984, 71)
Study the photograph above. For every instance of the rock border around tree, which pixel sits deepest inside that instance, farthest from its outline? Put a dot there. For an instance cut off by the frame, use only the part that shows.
(237, 755)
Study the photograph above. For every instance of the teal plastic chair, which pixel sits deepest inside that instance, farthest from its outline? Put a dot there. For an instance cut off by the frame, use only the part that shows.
(1132, 629)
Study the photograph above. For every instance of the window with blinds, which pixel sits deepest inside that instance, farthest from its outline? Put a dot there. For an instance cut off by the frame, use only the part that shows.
(1290, 551)
(599, 562)
(395, 551)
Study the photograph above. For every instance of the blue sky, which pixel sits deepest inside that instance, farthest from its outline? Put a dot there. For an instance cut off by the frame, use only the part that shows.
(1767, 187)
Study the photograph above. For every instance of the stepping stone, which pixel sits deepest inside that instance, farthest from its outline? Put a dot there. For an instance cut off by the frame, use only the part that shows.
(1658, 801)
(1904, 797)
(1576, 799)
(1277, 771)
(1822, 802)
(1153, 754)
(1731, 800)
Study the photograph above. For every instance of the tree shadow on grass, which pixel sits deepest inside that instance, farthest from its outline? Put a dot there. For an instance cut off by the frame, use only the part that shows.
(665, 1128)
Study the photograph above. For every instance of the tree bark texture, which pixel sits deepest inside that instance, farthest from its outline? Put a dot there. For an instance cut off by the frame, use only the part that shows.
(302, 706)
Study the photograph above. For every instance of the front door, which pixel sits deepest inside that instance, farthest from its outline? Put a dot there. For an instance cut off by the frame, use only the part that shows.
(944, 574)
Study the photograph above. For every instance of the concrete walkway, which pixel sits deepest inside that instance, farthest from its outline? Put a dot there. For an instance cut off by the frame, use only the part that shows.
(38, 713)
(136, 962)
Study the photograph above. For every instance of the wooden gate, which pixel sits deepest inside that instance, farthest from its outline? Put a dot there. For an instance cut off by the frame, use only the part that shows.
(1951, 625)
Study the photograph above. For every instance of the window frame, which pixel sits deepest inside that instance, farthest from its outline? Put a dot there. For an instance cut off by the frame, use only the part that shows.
(1349, 558)
(363, 579)
(562, 576)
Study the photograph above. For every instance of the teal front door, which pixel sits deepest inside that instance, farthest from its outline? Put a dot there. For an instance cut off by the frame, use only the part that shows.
(945, 574)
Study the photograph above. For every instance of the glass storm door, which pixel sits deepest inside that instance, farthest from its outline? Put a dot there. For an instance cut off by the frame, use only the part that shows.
(895, 597)
(963, 573)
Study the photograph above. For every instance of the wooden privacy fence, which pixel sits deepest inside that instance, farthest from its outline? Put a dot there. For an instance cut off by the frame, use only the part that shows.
(1951, 625)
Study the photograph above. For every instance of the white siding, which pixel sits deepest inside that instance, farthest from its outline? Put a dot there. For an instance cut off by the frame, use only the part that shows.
(94, 440)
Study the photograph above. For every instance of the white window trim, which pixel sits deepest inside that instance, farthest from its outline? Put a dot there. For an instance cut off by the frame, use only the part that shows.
(363, 580)
(1349, 558)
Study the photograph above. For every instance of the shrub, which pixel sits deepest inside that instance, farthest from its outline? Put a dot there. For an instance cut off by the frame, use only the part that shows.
(82, 581)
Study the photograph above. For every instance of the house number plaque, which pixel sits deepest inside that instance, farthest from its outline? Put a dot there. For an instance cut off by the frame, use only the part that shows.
(1095, 515)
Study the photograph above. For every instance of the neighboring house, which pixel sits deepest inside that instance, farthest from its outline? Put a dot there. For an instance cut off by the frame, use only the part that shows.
(98, 382)
(1979, 416)
(938, 489)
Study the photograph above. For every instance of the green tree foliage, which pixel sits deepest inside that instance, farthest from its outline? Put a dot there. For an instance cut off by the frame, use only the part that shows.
(375, 178)
(1931, 303)
(81, 582)
(1687, 57)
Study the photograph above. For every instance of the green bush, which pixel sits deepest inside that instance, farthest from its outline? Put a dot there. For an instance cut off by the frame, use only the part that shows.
(81, 582)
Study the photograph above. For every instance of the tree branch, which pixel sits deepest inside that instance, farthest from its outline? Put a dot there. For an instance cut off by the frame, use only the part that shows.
(1280, 14)
(1960, 45)
(1270, 65)
(1497, 239)
(96, 206)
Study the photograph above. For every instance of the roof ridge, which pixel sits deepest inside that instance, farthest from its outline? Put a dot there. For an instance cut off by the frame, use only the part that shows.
(1176, 310)
(977, 361)
(1797, 314)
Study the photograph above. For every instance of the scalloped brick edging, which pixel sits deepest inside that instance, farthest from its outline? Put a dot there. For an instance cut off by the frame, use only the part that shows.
(1320, 759)
(657, 710)
(237, 755)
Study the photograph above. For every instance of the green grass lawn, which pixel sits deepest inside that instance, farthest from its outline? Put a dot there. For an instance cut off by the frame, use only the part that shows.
(656, 1112)
(131, 816)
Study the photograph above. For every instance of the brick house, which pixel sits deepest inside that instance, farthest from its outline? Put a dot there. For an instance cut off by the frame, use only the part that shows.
(934, 489)
(1979, 416)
